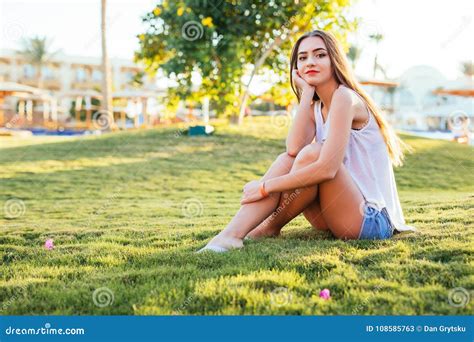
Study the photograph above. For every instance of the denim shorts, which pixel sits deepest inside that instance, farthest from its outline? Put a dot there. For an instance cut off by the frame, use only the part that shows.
(376, 224)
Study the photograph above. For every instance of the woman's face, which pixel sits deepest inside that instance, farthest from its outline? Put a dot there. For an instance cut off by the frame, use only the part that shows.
(313, 62)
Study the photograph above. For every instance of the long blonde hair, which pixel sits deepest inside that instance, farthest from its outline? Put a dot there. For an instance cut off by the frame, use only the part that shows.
(344, 75)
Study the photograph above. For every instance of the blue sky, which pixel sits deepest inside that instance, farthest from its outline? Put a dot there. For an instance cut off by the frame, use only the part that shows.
(435, 33)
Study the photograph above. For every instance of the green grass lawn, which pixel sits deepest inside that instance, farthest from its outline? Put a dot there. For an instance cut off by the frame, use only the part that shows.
(127, 211)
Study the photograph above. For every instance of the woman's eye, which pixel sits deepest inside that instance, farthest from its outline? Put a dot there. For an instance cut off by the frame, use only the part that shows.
(301, 58)
(321, 55)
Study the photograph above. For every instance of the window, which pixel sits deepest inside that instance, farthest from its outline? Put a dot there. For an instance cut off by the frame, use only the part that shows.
(80, 75)
(29, 71)
(48, 73)
(96, 75)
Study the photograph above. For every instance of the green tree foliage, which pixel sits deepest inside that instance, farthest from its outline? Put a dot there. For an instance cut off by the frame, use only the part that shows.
(36, 51)
(221, 41)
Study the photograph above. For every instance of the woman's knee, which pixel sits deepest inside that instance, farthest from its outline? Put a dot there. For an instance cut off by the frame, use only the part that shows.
(285, 160)
(309, 154)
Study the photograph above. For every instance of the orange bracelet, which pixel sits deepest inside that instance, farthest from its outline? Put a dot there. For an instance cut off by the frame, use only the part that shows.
(263, 192)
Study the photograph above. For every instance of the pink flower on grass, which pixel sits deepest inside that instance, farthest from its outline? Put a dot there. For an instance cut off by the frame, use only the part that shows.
(49, 245)
(325, 294)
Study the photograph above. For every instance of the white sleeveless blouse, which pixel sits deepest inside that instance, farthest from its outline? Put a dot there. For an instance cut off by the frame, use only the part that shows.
(367, 160)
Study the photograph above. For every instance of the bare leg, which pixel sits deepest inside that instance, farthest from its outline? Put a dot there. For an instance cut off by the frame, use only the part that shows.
(292, 203)
(341, 194)
(314, 214)
(251, 214)
(336, 196)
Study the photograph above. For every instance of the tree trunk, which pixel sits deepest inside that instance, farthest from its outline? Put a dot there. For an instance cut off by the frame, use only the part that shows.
(243, 103)
(277, 42)
(106, 102)
(39, 76)
(375, 66)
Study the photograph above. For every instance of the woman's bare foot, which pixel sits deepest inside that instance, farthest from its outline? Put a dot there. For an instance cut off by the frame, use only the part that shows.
(223, 243)
(263, 231)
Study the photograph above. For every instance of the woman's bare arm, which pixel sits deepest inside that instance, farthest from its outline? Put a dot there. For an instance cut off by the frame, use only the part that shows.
(332, 153)
(303, 129)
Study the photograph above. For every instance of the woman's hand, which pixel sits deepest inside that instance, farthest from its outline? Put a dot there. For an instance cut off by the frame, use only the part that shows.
(251, 192)
(300, 83)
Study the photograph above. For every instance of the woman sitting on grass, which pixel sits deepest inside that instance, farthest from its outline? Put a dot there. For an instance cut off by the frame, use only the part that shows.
(337, 168)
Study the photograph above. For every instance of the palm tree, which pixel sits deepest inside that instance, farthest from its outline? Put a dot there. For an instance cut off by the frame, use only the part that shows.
(354, 54)
(377, 38)
(467, 68)
(36, 52)
(391, 92)
(106, 74)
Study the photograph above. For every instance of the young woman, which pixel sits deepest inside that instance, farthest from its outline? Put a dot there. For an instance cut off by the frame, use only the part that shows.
(337, 168)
